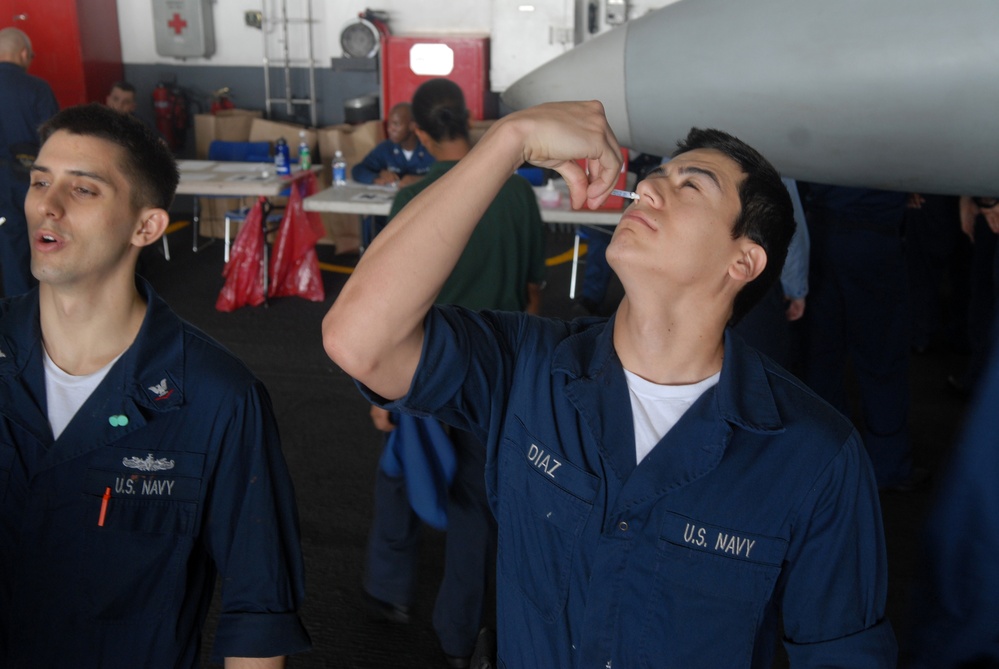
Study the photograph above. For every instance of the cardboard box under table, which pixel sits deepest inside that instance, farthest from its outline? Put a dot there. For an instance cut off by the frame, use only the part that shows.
(238, 125)
(355, 142)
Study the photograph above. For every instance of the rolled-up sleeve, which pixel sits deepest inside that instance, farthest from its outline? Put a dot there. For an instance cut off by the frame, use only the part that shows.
(834, 587)
(252, 533)
(465, 365)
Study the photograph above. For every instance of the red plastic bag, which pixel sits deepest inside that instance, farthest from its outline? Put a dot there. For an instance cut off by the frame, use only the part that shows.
(244, 274)
(294, 263)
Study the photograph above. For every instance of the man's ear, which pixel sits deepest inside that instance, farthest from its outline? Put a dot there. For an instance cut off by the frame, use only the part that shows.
(153, 223)
(750, 264)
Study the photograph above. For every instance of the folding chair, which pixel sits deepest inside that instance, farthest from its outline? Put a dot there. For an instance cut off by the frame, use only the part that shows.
(246, 152)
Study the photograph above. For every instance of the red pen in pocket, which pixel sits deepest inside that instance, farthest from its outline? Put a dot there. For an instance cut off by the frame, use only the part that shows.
(104, 507)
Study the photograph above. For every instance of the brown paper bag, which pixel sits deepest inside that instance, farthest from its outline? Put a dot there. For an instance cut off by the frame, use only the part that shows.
(354, 141)
(262, 130)
(231, 125)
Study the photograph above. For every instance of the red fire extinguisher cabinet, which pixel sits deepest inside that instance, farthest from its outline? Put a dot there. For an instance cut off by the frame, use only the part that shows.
(470, 70)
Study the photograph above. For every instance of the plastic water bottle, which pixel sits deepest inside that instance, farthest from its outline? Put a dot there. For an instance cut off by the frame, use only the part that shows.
(282, 157)
(339, 169)
(304, 155)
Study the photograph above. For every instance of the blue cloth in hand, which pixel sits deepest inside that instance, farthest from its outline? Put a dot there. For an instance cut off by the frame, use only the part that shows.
(420, 451)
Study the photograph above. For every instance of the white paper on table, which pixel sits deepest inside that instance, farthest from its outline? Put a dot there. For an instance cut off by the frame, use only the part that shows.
(243, 167)
(193, 165)
(373, 197)
(196, 176)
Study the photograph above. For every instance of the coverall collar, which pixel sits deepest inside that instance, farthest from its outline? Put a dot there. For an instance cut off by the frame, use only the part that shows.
(147, 378)
(597, 388)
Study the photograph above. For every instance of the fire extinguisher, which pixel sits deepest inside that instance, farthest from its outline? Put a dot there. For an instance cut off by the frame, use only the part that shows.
(221, 100)
(170, 109)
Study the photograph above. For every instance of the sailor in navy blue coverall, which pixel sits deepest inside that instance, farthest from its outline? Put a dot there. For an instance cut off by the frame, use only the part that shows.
(401, 155)
(170, 472)
(755, 510)
(859, 311)
(400, 160)
(27, 102)
(956, 602)
(759, 501)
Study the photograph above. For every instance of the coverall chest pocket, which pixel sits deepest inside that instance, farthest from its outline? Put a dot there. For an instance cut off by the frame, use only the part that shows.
(140, 534)
(544, 502)
(712, 588)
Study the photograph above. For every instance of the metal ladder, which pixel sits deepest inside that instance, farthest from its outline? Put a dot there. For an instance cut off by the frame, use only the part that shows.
(283, 23)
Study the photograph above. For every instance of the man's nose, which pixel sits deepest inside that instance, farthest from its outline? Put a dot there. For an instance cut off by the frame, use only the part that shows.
(47, 202)
(649, 194)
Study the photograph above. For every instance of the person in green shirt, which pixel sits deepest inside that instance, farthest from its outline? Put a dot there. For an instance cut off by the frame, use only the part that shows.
(502, 268)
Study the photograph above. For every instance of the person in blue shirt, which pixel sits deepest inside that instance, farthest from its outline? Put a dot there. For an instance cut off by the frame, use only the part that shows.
(27, 102)
(138, 458)
(665, 495)
(859, 314)
(979, 221)
(398, 161)
(502, 267)
(401, 159)
(955, 607)
(767, 326)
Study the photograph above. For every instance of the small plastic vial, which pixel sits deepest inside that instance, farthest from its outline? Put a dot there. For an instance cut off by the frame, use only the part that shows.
(282, 157)
(304, 155)
(550, 197)
(339, 169)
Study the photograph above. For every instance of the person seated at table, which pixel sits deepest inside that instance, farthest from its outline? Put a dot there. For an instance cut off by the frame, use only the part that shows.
(400, 160)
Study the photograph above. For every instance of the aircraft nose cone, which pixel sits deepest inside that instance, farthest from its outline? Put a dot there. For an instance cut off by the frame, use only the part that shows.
(894, 99)
(594, 70)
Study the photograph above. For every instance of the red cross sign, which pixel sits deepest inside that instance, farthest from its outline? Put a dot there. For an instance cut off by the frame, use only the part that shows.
(177, 23)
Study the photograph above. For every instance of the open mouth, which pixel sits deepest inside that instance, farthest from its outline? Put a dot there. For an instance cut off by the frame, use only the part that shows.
(45, 240)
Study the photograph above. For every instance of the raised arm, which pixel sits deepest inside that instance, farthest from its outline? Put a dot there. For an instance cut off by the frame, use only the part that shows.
(374, 330)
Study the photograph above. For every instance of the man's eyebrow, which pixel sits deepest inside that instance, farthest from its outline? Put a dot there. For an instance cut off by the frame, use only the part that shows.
(663, 170)
(692, 169)
(35, 167)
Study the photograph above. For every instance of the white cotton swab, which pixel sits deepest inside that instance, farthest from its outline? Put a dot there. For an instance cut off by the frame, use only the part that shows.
(625, 193)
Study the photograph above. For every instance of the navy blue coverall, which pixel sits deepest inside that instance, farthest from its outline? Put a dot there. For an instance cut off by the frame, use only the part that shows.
(759, 503)
(27, 103)
(111, 535)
